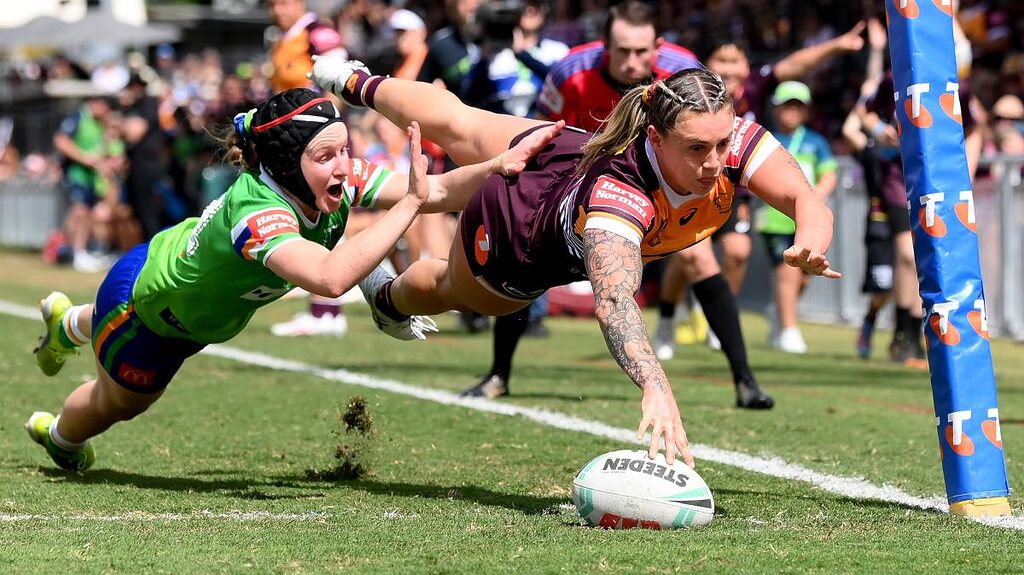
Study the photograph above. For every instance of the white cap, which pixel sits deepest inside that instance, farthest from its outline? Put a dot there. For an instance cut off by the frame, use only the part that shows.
(403, 19)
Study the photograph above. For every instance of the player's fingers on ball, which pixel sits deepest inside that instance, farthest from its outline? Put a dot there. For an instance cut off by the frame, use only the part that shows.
(652, 449)
(642, 429)
(670, 453)
(687, 458)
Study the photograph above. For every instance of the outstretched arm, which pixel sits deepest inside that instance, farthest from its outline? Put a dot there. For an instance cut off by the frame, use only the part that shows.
(450, 191)
(799, 63)
(614, 266)
(781, 183)
(331, 273)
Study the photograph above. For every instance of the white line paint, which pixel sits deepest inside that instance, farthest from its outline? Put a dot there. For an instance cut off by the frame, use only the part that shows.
(198, 515)
(852, 487)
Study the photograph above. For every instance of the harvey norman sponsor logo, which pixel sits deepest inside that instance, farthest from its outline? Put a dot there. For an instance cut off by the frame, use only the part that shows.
(609, 193)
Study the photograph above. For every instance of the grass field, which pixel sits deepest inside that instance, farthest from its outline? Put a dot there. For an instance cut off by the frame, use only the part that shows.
(215, 477)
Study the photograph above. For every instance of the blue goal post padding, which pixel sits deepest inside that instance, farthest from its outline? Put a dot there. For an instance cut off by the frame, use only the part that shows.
(946, 247)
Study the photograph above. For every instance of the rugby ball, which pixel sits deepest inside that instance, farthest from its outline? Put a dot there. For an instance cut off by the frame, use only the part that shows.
(625, 489)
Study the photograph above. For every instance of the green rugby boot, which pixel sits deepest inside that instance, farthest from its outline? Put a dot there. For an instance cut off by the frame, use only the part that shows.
(52, 351)
(38, 427)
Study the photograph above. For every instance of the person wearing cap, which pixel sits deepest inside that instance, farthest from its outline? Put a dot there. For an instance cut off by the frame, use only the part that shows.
(410, 42)
(201, 281)
(792, 101)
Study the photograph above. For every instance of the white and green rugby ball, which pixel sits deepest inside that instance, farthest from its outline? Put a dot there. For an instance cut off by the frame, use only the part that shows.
(625, 489)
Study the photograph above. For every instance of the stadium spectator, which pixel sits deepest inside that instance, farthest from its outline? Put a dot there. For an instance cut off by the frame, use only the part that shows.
(878, 230)
(300, 35)
(81, 140)
(146, 149)
(749, 91)
(201, 281)
(792, 101)
(1008, 125)
(878, 119)
(452, 53)
(452, 50)
(591, 208)
(583, 89)
(410, 43)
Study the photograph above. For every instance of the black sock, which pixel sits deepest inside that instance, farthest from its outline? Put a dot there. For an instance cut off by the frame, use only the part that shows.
(667, 309)
(723, 317)
(508, 330)
(902, 323)
(914, 331)
(386, 305)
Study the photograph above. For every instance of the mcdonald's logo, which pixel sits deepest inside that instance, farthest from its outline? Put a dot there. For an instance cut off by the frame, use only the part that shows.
(135, 376)
(965, 211)
(907, 8)
(946, 6)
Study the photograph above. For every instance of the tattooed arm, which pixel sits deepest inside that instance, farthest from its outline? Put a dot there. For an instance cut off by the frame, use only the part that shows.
(614, 267)
(781, 183)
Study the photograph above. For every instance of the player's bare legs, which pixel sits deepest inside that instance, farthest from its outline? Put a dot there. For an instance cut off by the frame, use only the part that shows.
(433, 286)
(469, 135)
(96, 405)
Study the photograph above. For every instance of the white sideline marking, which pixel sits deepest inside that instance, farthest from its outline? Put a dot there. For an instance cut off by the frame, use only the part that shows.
(229, 516)
(852, 487)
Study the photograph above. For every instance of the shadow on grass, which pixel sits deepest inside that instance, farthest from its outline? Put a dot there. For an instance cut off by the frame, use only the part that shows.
(528, 504)
(301, 488)
(253, 489)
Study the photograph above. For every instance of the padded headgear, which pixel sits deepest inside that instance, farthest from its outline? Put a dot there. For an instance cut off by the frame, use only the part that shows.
(281, 127)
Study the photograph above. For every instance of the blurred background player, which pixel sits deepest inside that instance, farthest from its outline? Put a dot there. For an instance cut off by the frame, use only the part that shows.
(749, 92)
(296, 36)
(792, 102)
(868, 151)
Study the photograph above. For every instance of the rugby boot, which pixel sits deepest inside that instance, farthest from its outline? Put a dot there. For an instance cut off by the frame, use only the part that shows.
(38, 427)
(51, 352)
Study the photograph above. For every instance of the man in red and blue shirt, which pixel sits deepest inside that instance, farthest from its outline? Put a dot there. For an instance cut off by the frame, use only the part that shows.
(584, 86)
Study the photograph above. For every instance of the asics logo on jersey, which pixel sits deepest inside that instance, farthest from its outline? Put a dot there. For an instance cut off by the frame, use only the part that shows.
(687, 216)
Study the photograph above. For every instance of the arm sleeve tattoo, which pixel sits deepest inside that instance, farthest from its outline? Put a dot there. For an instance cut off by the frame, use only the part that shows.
(614, 267)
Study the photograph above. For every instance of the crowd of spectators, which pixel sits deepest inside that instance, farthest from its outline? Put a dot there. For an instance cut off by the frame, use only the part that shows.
(186, 98)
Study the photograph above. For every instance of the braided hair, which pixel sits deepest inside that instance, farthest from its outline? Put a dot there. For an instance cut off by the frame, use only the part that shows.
(658, 104)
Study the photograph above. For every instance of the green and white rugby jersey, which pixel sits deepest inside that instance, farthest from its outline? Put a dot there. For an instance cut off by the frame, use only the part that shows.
(205, 277)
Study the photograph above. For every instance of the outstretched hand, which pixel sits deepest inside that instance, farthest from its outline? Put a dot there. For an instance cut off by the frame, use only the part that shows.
(661, 413)
(418, 186)
(513, 161)
(810, 262)
(851, 41)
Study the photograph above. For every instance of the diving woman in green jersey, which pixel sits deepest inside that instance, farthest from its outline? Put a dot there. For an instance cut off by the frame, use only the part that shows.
(199, 282)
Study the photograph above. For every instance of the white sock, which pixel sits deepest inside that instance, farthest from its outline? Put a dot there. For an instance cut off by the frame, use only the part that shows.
(71, 329)
(60, 441)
